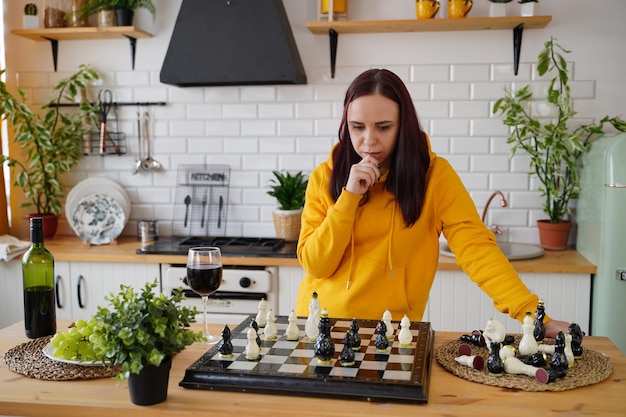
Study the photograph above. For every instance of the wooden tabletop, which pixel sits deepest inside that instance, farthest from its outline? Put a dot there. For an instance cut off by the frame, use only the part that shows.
(448, 396)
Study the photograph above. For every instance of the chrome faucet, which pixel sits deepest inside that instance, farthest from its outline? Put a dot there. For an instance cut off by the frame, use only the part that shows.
(494, 228)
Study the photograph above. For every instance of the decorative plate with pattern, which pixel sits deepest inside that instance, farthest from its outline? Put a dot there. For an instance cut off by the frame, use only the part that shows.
(98, 219)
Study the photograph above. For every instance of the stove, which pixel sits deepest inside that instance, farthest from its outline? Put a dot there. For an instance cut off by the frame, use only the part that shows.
(248, 246)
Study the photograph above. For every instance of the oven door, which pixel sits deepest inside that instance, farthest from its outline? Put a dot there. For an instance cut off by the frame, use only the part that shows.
(239, 295)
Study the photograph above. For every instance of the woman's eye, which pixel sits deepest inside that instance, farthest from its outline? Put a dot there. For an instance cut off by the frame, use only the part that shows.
(384, 127)
(357, 127)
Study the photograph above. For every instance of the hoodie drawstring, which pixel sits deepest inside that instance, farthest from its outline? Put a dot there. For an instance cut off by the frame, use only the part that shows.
(393, 219)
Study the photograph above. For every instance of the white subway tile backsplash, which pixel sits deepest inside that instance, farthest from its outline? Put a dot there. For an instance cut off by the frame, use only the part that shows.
(258, 127)
(432, 109)
(204, 111)
(469, 145)
(276, 111)
(240, 111)
(221, 94)
(469, 109)
(313, 110)
(450, 91)
(489, 163)
(429, 73)
(222, 128)
(295, 127)
(258, 93)
(469, 72)
(278, 145)
(488, 127)
(187, 128)
(509, 181)
(450, 127)
(132, 78)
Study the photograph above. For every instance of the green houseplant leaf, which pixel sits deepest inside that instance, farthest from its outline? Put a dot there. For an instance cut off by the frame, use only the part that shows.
(553, 145)
(289, 189)
(51, 142)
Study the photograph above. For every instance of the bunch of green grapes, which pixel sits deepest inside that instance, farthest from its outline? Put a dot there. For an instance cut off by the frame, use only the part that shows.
(77, 342)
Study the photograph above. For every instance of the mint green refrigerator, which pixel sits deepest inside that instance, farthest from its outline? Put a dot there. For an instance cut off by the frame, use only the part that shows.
(601, 221)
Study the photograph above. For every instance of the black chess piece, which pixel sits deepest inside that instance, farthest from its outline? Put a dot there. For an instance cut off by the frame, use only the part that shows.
(381, 342)
(558, 361)
(255, 326)
(476, 338)
(324, 347)
(538, 360)
(577, 340)
(346, 357)
(226, 345)
(495, 366)
(540, 331)
(354, 332)
(509, 340)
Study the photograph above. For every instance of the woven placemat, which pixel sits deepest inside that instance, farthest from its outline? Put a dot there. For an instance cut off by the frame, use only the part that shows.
(28, 359)
(591, 368)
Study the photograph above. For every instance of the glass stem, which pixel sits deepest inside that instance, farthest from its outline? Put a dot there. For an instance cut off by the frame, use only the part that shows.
(205, 299)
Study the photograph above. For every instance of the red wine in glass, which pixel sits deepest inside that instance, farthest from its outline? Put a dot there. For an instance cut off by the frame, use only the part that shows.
(204, 277)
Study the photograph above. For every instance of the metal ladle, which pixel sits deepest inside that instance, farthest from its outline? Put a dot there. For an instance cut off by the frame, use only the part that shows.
(149, 164)
(139, 162)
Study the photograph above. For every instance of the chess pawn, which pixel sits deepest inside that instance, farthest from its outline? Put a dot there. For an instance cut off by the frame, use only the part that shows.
(495, 366)
(558, 361)
(476, 338)
(381, 342)
(515, 366)
(476, 362)
(539, 332)
(537, 360)
(354, 332)
(346, 357)
(405, 337)
(252, 351)
(548, 349)
(528, 345)
(261, 316)
(387, 320)
(292, 332)
(577, 339)
(568, 351)
(494, 332)
(271, 332)
(324, 347)
(311, 327)
(506, 351)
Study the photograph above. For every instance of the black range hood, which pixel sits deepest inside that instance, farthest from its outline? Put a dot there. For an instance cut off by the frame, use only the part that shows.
(232, 42)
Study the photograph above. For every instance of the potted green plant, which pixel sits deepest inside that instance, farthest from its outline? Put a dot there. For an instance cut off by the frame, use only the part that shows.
(30, 20)
(142, 331)
(51, 143)
(124, 9)
(553, 144)
(289, 190)
(528, 7)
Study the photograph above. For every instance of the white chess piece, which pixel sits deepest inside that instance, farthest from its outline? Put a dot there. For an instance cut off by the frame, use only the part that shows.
(506, 351)
(311, 327)
(252, 351)
(569, 354)
(261, 316)
(387, 321)
(513, 365)
(476, 362)
(292, 332)
(270, 330)
(543, 348)
(528, 345)
(494, 332)
(405, 337)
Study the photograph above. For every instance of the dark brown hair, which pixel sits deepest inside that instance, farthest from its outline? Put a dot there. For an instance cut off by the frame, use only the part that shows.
(410, 159)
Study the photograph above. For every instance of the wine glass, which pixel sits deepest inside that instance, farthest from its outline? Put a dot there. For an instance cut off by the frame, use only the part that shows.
(204, 277)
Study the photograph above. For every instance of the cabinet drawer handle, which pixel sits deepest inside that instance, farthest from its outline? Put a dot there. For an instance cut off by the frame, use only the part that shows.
(57, 282)
(78, 291)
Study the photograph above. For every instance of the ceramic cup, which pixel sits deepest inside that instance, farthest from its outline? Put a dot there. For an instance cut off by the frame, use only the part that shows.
(459, 8)
(426, 9)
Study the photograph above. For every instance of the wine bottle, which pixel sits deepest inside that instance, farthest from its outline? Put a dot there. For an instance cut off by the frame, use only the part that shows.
(38, 280)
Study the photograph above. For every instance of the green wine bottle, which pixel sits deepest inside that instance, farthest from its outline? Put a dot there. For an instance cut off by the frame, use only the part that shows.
(38, 280)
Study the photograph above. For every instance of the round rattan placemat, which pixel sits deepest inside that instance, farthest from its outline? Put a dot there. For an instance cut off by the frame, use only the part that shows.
(28, 359)
(591, 368)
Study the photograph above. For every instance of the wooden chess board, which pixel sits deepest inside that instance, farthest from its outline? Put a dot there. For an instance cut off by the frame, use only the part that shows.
(400, 374)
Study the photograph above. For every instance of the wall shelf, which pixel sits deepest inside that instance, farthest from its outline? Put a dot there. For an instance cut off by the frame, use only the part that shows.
(54, 35)
(517, 23)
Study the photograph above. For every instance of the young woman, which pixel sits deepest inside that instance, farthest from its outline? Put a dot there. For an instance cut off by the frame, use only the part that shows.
(374, 212)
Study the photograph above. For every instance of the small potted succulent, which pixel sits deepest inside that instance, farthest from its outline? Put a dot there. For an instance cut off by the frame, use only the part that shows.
(552, 141)
(289, 190)
(31, 20)
(142, 331)
(528, 7)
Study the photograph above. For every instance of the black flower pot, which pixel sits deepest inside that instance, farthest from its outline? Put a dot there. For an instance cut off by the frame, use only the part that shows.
(150, 385)
(124, 17)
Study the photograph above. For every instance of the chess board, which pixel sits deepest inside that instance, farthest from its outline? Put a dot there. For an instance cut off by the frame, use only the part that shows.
(399, 374)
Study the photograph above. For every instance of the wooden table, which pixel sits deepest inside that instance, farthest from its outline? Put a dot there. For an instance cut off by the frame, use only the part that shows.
(448, 396)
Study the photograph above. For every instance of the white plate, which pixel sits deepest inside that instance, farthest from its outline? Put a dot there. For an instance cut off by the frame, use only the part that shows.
(99, 185)
(48, 350)
(98, 219)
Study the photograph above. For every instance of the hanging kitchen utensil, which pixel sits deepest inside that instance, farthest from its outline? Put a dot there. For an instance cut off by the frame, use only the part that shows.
(139, 160)
(204, 202)
(149, 164)
(187, 202)
(105, 101)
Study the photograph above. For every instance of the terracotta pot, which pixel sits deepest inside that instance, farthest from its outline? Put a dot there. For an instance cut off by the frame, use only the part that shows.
(50, 223)
(554, 236)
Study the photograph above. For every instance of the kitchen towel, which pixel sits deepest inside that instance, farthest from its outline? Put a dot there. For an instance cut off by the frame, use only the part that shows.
(10, 247)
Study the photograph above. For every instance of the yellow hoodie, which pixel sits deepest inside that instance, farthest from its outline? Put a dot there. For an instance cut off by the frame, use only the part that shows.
(362, 260)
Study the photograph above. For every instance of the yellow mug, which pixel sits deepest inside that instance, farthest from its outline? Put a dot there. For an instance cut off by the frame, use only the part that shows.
(426, 9)
(459, 8)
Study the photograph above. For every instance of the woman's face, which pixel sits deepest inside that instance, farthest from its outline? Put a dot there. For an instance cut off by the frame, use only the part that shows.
(373, 124)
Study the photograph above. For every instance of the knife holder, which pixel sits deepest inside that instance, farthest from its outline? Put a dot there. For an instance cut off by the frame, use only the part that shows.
(200, 207)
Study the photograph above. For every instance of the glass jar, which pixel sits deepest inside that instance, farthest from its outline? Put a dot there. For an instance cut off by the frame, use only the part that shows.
(73, 17)
(54, 12)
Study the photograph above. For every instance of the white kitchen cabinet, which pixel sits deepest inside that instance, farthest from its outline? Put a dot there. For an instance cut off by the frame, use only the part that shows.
(289, 278)
(82, 286)
(457, 304)
(12, 306)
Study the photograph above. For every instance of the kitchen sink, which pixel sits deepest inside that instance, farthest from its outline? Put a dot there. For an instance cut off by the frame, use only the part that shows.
(513, 251)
